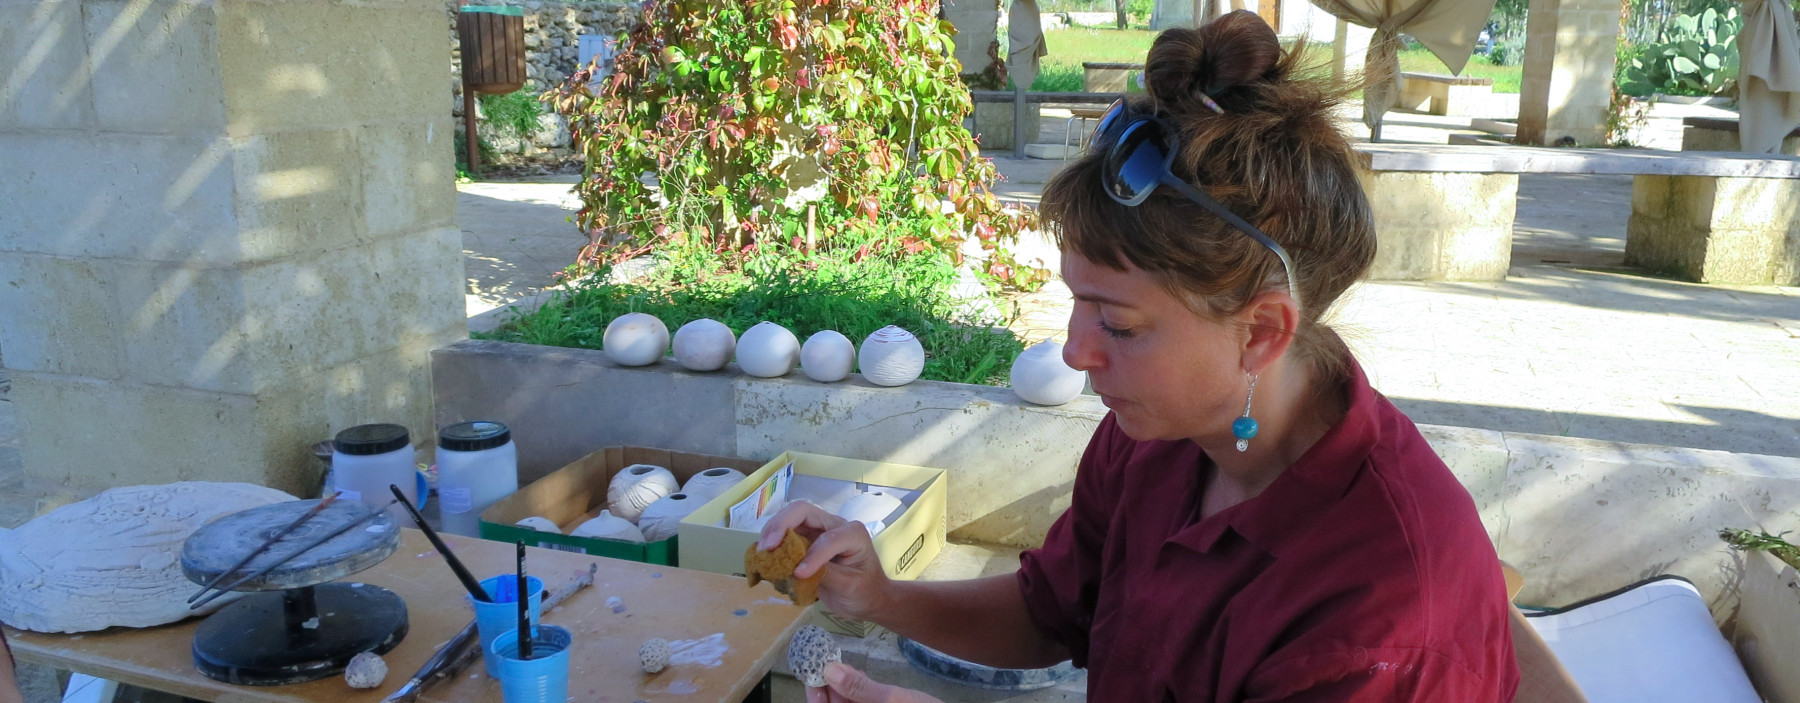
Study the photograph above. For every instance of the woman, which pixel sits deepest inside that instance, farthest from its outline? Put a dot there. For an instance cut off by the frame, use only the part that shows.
(1251, 521)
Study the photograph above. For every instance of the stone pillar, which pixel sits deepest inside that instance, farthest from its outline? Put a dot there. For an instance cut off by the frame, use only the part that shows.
(1566, 89)
(1349, 49)
(1441, 226)
(1739, 231)
(977, 24)
(230, 231)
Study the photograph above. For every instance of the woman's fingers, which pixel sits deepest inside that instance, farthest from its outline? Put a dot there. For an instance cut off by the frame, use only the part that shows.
(850, 539)
(848, 684)
(800, 516)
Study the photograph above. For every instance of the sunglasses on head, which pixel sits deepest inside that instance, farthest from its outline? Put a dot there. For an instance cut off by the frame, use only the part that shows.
(1139, 149)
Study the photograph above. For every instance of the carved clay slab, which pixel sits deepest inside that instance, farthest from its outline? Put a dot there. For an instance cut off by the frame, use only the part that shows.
(114, 559)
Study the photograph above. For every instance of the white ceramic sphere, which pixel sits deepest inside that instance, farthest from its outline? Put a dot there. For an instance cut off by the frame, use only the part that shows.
(1040, 376)
(635, 339)
(827, 356)
(704, 345)
(891, 357)
(609, 526)
(768, 350)
(539, 524)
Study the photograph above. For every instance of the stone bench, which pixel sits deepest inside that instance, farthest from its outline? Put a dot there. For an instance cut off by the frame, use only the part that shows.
(1715, 134)
(1446, 212)
(1438, 94)
(1101, 77)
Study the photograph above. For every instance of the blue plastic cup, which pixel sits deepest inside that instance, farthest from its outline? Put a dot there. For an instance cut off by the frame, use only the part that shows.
(542, 679)
(502, 615)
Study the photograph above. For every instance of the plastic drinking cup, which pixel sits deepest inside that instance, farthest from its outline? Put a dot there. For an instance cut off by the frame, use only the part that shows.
(542, 679)
(493, 619)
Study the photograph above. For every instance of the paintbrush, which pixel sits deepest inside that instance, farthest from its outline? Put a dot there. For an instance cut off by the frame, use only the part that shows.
(456, 565)
(308, 515)
(461, 650)
(290, 557)
(525, 632)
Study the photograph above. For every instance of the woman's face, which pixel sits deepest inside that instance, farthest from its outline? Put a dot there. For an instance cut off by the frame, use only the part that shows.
(1165, 371)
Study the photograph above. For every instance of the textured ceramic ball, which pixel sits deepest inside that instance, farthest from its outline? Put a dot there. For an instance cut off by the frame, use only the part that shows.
(654, 655)
(663, 518)
(768, 350)
(636, 486)
(704, 345)
(366, 670)
(635, 339)
(1040, 376)
(540, 524)
(808, 653)
(827, 356)
(891, 357)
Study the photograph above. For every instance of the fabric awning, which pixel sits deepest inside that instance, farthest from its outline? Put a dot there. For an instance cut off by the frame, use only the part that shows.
(1448, 28)
(1768, 76)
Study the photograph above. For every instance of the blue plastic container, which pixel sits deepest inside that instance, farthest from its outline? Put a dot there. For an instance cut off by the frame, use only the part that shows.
(502, 615)
(542, 679)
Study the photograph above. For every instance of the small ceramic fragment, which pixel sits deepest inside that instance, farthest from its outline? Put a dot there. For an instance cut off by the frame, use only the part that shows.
(808, 653)
(654, 655)
(366, 670)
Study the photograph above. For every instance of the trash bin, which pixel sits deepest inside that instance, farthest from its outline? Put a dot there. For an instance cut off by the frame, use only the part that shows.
(493, 47)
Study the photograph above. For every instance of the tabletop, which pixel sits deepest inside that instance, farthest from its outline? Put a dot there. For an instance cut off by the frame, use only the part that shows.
(731, 634)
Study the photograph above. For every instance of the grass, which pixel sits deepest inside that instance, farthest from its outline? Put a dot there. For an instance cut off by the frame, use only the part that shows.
(1061, 70)
(806, 294)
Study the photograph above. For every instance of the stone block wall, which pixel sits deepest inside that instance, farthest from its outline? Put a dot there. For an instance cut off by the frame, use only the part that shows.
(230, 232)
(552, 31)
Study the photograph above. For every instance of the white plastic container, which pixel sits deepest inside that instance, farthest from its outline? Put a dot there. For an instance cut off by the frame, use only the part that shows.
(366, 459)
(477, 465)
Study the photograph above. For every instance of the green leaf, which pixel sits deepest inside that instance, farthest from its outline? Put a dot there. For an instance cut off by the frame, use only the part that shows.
(1712, 61)
(1684, 65)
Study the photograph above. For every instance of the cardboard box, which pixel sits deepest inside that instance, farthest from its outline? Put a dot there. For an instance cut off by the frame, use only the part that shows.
(577, 493)
(907, 544)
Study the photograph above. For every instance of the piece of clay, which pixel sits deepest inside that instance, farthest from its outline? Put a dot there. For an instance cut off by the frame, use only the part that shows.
(654, 655)
(366, 670)
(114, 559)
(777, 567)
(808, 653)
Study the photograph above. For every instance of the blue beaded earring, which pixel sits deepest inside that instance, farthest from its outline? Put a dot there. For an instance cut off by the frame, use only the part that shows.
(1244, 428)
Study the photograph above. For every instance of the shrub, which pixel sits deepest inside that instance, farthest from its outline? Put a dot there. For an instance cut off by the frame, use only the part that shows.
(1696, 54)
(796, 124)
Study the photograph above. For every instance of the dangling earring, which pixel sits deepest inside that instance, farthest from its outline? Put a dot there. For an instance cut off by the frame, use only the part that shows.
(1244, 428)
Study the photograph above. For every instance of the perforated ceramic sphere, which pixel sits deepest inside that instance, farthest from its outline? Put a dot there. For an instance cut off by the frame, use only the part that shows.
(654, 655)
(366, 670)
(635, 339)
(827, 357)
(704, 345)
(808, 653)
(768, 350)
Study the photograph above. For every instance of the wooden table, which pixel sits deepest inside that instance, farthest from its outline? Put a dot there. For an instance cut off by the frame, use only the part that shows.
(659, 601)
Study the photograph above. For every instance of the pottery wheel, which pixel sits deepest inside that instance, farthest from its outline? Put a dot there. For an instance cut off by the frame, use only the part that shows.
(306, 628)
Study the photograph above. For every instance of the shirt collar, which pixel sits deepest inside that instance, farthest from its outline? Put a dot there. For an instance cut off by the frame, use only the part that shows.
(1306, 488)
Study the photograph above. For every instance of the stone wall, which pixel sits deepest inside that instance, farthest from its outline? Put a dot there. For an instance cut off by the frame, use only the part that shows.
(552, 29)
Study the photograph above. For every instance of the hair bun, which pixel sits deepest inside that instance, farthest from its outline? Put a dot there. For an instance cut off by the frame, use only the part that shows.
(1233, 50)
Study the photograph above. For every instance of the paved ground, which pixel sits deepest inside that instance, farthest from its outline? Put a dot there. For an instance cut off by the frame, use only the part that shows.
(1571, 344)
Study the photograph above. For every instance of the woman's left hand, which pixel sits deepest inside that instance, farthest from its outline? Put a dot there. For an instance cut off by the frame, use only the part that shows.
(844, 684)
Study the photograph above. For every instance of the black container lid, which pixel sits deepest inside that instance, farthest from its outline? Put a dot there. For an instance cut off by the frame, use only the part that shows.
(474, 436)
(369, 440)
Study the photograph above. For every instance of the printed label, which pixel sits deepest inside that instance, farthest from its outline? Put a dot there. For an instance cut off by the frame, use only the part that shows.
(457, 500)
(561, 548)
(906, 559)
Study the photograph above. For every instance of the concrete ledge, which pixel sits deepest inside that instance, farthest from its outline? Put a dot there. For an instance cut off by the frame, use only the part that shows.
(1434, 158)
(1579, 517)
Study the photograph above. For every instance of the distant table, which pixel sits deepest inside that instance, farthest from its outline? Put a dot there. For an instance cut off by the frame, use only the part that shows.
(658, 601)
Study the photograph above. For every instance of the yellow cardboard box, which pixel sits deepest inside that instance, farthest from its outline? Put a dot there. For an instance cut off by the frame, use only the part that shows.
(906, 546)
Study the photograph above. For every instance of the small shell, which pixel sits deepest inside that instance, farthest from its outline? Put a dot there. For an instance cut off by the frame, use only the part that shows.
(540, 524)
(827, 356)
(808, 653)
(1040, 376)
(366, 670)
(635, 339)
(768, 350)
(704, 345)
(654, 655)
(891, 357)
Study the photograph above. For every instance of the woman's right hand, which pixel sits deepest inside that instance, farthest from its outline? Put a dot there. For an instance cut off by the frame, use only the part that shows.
(853, 584)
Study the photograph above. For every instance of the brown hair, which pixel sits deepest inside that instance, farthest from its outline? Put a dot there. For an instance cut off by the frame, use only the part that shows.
(1275, 157)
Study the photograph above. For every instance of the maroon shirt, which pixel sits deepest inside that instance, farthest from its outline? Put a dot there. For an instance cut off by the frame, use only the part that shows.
(1361, 574)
